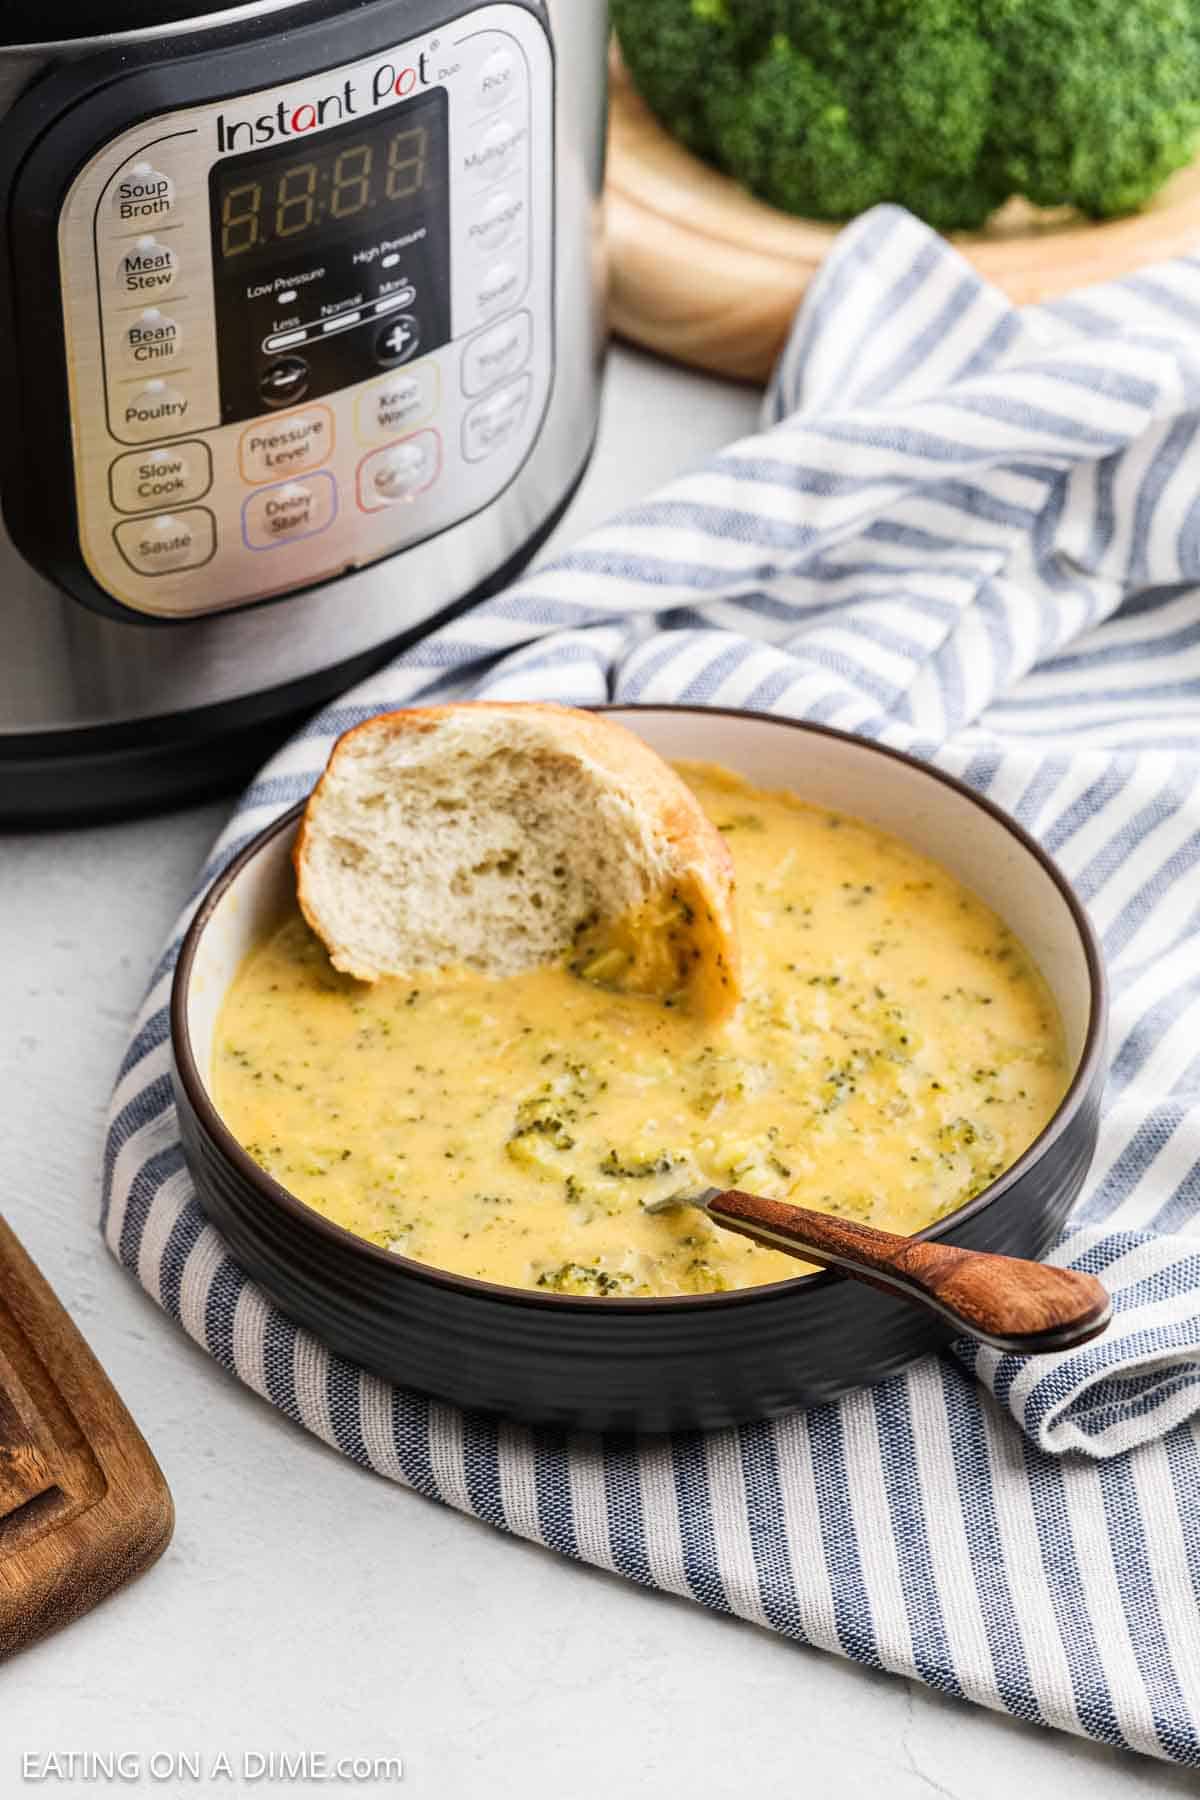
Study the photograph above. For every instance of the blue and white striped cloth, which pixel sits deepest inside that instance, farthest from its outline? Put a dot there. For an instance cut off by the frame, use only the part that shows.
(973, 533)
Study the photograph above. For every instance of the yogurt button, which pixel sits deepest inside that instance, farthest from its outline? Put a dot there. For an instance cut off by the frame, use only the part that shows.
(497, 220)
(152, 339)
(155, 410)
(168, 542)
(499, 288)
(142, 195)
(497, 80)
(166, 476)
(496, 152)
(494, 354)
(288, 512)
(399, 473)
(147, 267)
(494, 422)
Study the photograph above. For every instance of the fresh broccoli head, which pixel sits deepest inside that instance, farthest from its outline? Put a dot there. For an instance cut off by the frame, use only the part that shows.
(946, 106)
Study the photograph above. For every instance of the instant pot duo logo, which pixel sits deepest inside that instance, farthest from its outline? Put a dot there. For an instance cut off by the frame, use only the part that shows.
(380, 86)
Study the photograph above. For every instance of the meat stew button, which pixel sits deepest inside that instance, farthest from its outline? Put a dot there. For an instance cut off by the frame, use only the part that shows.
(169, 542)
(147, 268)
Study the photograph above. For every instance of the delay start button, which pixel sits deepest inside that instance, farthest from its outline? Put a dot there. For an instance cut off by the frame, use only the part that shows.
(169, 475)
(168, 542)
(293, 443)
(289, 511)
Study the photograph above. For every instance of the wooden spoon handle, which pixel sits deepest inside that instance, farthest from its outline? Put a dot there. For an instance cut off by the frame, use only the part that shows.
(1025, 1307)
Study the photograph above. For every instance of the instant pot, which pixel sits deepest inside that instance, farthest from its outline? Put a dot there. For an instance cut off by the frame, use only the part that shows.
(300, 341)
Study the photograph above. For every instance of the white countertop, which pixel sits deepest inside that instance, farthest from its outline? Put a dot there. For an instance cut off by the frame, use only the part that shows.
(305, 1604)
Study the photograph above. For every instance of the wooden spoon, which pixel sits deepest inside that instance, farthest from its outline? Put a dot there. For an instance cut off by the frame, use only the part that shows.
(1027, 1308)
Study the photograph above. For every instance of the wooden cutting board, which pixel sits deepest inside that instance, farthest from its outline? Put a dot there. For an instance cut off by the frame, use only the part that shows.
(83, 1504)
(706, 274)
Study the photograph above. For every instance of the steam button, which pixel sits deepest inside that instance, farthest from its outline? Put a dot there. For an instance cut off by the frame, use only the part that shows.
(168, 542)
(143, 195)
(147, 268)
(497, 79)
(499, 288)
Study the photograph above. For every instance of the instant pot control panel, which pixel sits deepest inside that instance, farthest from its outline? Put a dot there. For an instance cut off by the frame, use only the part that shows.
(310, 325)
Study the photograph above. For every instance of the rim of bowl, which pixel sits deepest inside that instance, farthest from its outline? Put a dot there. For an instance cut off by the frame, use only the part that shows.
(274, 1194)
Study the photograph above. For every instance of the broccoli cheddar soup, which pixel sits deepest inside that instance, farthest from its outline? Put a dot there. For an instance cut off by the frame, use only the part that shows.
(894, 1051)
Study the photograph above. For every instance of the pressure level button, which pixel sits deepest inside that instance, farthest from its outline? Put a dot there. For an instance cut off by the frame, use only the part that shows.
(147, 268)
(143, 195)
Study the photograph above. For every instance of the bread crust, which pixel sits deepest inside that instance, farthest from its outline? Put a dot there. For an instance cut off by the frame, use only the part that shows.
(697, 849)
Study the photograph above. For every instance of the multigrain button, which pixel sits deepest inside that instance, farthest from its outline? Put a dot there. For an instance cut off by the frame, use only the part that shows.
(497, 220)
(168, 542)
(497, 80)
(495, 354)
(153, 339)
(284, 514)
(169, 475)
(400, 472)
(494, 422)
(398, 402)
(495, 152)
(154, 410)
(273, 449)
(499, 287)
(147, 268)
(143, 195)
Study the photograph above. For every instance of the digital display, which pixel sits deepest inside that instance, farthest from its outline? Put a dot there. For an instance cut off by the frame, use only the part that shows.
(271, 202)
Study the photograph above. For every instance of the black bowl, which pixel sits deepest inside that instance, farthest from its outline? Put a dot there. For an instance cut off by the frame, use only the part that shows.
(654, 1364)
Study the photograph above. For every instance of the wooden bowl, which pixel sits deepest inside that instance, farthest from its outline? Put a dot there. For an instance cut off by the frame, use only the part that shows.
(702, 1360)
(704, 273)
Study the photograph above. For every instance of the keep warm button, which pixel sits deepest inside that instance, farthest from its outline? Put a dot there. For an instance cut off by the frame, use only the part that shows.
(289, 512)
(168, 542)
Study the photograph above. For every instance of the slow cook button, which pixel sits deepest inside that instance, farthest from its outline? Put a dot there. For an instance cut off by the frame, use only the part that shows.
(147, 267)
(495, 152)
(143, 195)
(497, 220)
(173, 474)
(399, 473)
(154, 410)
(293, 443)
(168, 542)
(398, 402)
(494, 422)
(280, 515)
(153, 340)
(497, 353)
(497, 80)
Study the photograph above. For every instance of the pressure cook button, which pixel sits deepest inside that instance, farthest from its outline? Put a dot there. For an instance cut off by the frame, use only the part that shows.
(275, 516)
(499, 288)
(400, 472)
(398, 402)
(168, 542)
(497, 353)
(494, 422)
(497, 78)
(495, 153)
(399, 339)
(170, 475)
(154, 410)
(153, 339)
(276, 448)
(284, 381)
(497, 220)
(147, 267)
(143, 195)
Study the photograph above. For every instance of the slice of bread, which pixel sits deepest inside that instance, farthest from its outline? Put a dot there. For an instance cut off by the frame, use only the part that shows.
(502, 836)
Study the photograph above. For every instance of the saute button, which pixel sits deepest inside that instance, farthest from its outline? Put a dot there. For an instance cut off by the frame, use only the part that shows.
(501, 351)
(147, 267)
(398, 402)
(497, 78)
(168, 542)
(143, 195)
(274, 449)
(497, 220)
(293, 510)
(400, 472)
(154, 410)
(496, 152)
(499, 288)
(284, 382)
(153, 339)
(492, 424)
(166, 476)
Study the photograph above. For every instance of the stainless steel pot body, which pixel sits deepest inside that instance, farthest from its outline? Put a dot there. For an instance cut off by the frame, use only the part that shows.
(70, 678)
